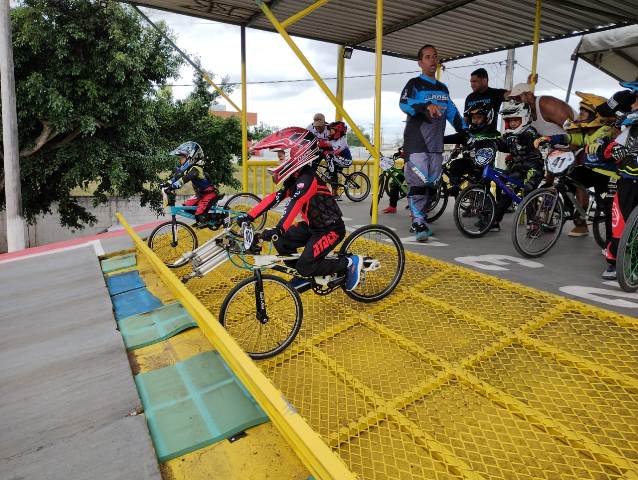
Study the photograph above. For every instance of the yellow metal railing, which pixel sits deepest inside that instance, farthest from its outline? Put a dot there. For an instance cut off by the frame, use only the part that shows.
(313, 452)
(260, 182)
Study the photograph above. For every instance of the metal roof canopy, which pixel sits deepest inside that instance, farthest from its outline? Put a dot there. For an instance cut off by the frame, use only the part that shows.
(614, 52)
(459, 28)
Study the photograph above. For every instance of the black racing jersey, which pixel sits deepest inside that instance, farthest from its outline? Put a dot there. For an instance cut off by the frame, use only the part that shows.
(309, 196)
(521, 147)
(491, 98)
(196, 175)
(422, 133)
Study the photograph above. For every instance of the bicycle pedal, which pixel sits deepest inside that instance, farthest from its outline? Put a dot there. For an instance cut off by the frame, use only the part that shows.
(371, 264)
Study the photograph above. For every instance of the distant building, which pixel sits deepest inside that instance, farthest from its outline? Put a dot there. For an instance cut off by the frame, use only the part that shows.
(220, 111)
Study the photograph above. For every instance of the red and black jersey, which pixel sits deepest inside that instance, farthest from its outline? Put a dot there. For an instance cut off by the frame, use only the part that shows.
(309, 196)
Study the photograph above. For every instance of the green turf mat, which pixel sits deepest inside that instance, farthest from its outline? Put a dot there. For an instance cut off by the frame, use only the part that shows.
(195, 403)
(152, 327)
(118, 263)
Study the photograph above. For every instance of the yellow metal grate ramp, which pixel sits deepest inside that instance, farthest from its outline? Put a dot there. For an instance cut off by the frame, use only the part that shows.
(460, 375)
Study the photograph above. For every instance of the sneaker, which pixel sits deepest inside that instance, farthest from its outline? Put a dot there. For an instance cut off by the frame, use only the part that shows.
(610, 273)
(495, 227)
(422, 231)
(412, 229)
(390, 210)
(298, 282)
(353, 274)
(579, 231)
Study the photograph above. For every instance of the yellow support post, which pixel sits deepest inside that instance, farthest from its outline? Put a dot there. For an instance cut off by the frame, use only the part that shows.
(313, 73)
(244, 114)
(299, 15)
(377, 110)
(341, 68)
(537, 34)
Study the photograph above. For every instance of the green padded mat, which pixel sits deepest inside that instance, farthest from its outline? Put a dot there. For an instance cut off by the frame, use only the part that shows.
(152, 327)
(195, 403)
(118, 263)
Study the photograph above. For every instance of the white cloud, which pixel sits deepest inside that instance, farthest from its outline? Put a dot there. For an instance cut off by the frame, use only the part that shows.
(284, 104)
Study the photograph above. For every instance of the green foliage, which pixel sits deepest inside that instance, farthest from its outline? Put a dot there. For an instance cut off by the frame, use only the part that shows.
(91, 109)
(260, 131)
(353, 140)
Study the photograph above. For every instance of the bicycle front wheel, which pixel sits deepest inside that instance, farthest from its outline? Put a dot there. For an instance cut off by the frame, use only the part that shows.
(383, 261)
(169, 246)
(242, 203)
(627, 258)
(262, 339)
(474, 211)
(538, 222)
(598, 227)
(357, 186)
(383, 187)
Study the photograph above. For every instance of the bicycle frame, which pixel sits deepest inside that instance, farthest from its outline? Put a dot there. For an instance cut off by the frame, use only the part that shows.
(498, 176)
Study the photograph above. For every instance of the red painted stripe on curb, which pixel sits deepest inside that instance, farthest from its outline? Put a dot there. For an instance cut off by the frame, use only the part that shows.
(74, 241)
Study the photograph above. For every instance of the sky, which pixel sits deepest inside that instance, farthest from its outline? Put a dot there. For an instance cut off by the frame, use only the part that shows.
(268, 58)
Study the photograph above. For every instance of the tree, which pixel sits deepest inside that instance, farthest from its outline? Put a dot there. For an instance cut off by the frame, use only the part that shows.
(88, 107)
(260, 131)
(353, 140)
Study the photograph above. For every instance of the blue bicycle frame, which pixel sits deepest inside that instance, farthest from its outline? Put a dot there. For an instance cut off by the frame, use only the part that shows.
(498, 176)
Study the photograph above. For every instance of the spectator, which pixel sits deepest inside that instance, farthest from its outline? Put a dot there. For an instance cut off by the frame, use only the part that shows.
(485, 96)
(318, 126)
(427, 103)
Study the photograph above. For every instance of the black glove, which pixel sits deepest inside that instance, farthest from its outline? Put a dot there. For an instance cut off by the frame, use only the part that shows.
(268, 234)
(243, 219)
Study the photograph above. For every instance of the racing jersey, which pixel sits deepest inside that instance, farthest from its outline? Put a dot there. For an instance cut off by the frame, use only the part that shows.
(309, 196)
(340, 148)
(594, 143)
(521, 147)
(194, 174)
(422, 133)
(320, 135)
(628, 166)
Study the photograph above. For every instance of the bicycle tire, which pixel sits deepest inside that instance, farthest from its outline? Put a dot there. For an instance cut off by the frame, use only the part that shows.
(484, 215)
(251, 200)
(160, 234)
(383, 182)
(598, 227)
(361, 186)
(388, 187)
(522, 223)
(373, 287)
(441, 203)
(627, 258)
(234, 308)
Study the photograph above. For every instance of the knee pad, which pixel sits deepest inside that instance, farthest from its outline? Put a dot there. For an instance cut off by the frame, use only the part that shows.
(420, 190)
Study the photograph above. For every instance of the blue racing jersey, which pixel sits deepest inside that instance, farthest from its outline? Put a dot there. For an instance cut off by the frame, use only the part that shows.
(423, 133)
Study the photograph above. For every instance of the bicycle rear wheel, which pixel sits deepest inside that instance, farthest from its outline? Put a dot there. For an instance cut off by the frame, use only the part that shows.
(439, 203)
(474, 211)
(383, 187)
(598, 227)
(357, 186)
(242, 203)
(160, 241)
(538, 222)
(262, 339)
(627, 258)
(378, 244)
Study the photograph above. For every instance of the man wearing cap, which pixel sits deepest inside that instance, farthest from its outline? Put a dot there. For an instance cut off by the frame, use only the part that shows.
(318, 126)
(549, 114)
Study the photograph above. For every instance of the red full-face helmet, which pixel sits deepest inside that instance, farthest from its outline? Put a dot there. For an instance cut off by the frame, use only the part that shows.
(299, 146)
(336, 130)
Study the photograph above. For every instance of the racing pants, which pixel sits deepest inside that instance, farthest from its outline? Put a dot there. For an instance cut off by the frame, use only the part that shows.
(625, 200)
(422, 173)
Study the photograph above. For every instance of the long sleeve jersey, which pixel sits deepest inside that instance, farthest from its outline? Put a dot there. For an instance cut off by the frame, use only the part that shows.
(309, 196)
(423, 133)
(594, 143)
(521, 147)
(194, 174)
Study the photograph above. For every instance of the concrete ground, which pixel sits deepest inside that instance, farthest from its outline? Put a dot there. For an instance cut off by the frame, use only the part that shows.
(66, 389)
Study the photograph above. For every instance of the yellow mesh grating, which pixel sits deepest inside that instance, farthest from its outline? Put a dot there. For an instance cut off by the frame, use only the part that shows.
(460, 375)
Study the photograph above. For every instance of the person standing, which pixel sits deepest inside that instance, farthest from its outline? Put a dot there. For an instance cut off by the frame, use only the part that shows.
(427, 103)
(484, 96)
(318, 127)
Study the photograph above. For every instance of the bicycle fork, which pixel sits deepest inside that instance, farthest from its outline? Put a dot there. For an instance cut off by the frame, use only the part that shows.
(260, 299)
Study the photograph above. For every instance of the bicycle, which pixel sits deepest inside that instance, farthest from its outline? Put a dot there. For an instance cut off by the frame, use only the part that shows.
(171, 239)
(539, 218)
(475, 203)
(356, 185)
(627, 258)
(264, 312)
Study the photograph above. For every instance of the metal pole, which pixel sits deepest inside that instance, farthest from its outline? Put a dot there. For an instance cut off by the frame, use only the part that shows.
(509, 70)
(12, 190)
(377, 110)
(244, 114)
(571, 78)
(537, 33)
(341, 68)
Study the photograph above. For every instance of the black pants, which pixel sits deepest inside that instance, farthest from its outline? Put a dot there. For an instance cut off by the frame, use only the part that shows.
(588, 178)
(317, 243)
(625, 200)
(395, 189)
(531, 178)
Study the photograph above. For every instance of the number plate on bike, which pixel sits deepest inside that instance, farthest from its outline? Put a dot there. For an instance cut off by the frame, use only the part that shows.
(386, 163)
(484, 156)
(558, 161)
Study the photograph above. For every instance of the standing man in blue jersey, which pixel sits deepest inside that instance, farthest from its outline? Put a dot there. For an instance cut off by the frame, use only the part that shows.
(428, 105)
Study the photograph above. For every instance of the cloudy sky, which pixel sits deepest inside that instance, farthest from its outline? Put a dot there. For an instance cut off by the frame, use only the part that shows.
(294, 103)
